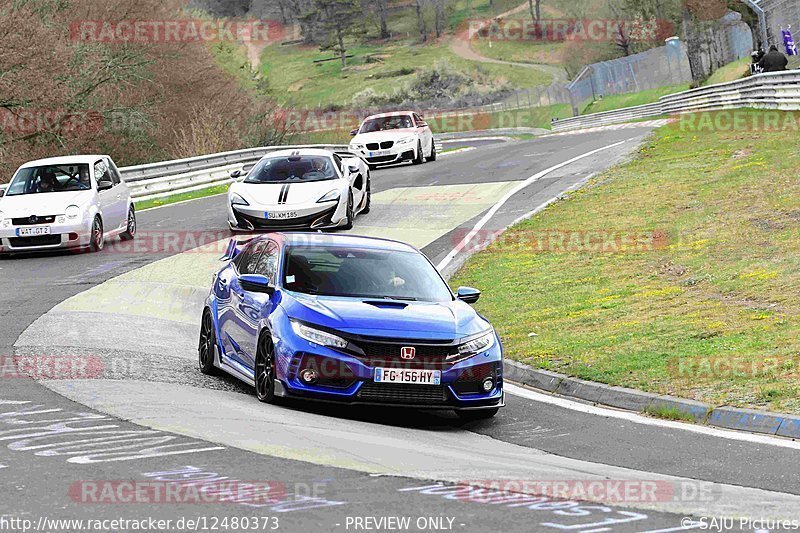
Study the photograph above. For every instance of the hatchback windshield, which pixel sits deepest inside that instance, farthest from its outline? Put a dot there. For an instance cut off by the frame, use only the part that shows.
(50, 178)
(293, 168)
(363, 273)
(387, 123)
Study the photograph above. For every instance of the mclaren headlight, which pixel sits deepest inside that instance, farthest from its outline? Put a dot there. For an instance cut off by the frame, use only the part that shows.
(474, 346)
(238, 200)
(406, 140)
(330, 197)
(317, 336)
(73, 212)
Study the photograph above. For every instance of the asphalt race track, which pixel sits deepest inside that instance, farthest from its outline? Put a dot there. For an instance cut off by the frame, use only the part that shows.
(136, 410)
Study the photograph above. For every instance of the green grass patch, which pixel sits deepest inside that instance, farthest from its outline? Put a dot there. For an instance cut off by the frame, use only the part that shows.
(710, 271)
(310, 85)
(619, 101)
(730, 72)
(669, 413)
(182, 197)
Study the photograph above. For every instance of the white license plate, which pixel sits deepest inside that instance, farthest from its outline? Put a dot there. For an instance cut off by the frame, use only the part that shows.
(408, 376)
(32, 232)
(380, 153)
(281, 216)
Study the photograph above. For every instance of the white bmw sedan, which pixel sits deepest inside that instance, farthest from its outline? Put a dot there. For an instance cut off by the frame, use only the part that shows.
(394, 138)
(65, 202)
(299, 189)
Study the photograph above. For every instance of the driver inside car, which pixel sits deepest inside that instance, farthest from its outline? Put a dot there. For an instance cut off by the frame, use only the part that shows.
(47, 181)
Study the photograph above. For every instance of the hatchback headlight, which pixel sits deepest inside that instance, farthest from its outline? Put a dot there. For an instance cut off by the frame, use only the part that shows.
(330, 197)
(73, 212)
(238, 200)
(474, 346)
(406, 140)
(317, 336)
(4, 222)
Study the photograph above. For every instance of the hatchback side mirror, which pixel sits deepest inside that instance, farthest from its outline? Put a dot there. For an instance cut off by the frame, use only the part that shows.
(256, 283)
(104, 185)
(468, 294)
(353, 169)
(2, 192)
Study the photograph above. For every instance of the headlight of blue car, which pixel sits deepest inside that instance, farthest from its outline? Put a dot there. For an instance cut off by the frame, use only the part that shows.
(318, 336)
(474, 346)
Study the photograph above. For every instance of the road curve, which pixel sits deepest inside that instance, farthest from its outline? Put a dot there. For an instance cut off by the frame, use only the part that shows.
(135, 314)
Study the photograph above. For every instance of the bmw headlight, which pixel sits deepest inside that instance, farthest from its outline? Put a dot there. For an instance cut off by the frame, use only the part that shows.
(474, 346)
(237, 200)
(330, 197)
(357, 146)
(73, 212)
(406, 140)
(317, 336)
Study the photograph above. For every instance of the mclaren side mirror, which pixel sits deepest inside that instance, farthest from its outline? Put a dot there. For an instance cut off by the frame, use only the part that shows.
(256, 283)
(236, 174)
(354, 132)
(468, 294)
(2, 192)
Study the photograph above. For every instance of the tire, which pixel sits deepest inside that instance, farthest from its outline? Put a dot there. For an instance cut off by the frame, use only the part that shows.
(264, 375)
(350, 215)
(474, 416)
(206, 348)
(369, 196)
(420, 156)
(433, 152)
(130, 231)
(97, 240)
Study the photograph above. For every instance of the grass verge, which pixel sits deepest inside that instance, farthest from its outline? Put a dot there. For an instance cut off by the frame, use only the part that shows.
(694, 289)
(619, 101)
(182, 197)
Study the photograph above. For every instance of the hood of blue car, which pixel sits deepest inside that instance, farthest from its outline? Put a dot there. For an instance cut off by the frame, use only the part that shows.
(389, 318)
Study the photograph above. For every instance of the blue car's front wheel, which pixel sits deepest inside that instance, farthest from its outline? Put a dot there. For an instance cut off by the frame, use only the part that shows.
(208, 340)
(265, 370)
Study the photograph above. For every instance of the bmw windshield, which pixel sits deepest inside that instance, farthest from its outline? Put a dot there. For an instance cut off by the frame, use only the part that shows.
(387, 123)
(292, 169)
(363, 273)
(50, 178)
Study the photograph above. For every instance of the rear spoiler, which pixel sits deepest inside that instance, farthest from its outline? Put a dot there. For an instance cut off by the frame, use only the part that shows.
(235, 247)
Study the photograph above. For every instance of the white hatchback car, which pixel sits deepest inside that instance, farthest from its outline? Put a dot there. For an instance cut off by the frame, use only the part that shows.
(65, 202)
(393, 138)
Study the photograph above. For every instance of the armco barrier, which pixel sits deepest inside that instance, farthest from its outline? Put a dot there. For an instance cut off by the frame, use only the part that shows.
(776, 90)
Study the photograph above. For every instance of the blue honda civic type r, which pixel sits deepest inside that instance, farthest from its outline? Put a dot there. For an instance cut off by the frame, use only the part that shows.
(349, 319)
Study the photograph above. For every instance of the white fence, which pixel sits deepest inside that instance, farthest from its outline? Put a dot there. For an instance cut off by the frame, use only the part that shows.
(776, 90)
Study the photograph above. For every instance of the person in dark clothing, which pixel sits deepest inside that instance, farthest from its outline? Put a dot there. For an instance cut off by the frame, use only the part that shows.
(774, 61)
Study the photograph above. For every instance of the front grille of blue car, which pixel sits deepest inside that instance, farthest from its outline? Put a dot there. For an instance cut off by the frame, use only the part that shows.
(387, 354)
(402, 394)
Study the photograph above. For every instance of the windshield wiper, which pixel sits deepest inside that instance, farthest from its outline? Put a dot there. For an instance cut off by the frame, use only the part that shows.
(403, 298)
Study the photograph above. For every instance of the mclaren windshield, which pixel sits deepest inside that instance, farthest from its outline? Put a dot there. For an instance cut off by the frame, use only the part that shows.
(292, 169)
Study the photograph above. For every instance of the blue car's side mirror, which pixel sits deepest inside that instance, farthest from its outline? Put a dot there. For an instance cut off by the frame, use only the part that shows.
(256, 283)
(468, 294)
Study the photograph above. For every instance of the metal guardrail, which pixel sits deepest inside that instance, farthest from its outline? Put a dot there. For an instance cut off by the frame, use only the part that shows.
(157, 180)
(775, 90)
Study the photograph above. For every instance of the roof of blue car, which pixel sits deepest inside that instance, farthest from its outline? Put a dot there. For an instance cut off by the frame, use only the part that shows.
(328, 239)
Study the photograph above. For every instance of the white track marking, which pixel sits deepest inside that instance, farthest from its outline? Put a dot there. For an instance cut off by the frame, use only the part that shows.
(647, 421)
(493, 211)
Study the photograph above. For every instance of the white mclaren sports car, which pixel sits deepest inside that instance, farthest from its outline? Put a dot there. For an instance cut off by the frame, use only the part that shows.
(300, 189)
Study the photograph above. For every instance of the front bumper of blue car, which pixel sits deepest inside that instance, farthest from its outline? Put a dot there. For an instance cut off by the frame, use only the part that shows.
(348, 376)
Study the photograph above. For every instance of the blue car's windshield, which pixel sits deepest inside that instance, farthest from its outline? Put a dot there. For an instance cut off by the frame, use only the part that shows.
(363, 273)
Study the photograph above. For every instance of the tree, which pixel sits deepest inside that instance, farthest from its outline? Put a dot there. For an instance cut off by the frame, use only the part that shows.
(440, 19)
(535, 7)
(382, 9)
(336, 19)
(423, 28)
